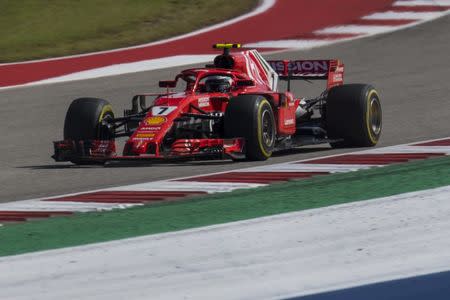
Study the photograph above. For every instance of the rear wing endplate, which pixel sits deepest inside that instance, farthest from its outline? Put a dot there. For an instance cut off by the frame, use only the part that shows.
(331, 70)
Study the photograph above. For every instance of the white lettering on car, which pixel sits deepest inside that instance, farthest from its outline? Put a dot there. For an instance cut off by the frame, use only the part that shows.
(289, 122)
(162, 110)
(299, 66)
(203, 102)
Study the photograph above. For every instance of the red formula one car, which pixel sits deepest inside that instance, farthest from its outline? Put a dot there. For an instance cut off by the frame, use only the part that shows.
(231, 108)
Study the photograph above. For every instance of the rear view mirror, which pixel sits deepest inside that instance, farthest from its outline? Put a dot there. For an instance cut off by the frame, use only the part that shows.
(167, 83)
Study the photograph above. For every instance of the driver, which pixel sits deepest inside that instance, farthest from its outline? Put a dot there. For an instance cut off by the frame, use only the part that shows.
(219, 84)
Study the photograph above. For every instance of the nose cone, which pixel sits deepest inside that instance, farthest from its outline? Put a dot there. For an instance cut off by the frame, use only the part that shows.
(138, 147)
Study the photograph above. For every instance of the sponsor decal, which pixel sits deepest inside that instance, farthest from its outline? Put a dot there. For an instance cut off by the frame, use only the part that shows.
(139, 144)
(203, 102)
(101, 145)
(337, 77)
(102, 148)
(299, 66)
(162, 110)
(150, 128)
(289, 122)
(144, 135)
(155, 120)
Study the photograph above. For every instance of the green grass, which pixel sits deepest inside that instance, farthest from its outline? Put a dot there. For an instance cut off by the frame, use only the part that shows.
(31, 29)
(225, 207)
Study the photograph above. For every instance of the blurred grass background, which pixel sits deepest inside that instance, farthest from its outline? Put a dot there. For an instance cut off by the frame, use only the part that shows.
(32, 29)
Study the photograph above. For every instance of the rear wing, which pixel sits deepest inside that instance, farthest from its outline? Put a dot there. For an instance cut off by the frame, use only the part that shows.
(331, 70)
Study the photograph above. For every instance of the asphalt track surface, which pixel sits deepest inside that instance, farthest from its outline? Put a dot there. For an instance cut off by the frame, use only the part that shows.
(410, 69)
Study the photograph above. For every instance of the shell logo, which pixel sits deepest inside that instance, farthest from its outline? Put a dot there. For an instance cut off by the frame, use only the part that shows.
(154, 121)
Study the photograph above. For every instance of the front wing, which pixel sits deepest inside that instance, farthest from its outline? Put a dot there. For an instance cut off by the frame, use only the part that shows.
(100, 151)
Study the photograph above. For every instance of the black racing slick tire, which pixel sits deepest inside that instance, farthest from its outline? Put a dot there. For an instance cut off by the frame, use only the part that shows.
(353, 115)
(251, 117)
(84, 120)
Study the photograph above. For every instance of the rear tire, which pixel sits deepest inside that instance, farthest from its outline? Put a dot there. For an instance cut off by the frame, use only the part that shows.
(251, 117)
(353, 114)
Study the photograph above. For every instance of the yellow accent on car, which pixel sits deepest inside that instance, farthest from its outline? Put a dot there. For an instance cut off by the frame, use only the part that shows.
(154, 121)
(260, 138)
(372, 138)
(105, 109)
(145, 135)
(226, 46)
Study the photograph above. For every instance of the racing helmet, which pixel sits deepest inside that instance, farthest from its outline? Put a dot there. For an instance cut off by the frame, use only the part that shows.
(219, 84)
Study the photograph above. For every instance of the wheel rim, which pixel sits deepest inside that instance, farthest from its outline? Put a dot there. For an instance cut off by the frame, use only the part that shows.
(103, 131)
(268, 134)
(375, 115)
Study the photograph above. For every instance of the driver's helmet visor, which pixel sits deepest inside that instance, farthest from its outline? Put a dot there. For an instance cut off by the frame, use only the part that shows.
(220, 84)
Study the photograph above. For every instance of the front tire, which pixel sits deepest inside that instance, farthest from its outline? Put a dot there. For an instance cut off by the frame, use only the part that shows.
(251, 117)
(353, 114)
(85, 121)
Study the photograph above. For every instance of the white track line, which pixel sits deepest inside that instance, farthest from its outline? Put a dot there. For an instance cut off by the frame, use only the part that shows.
(422, 3)
(355, 29)
(297, 44)
(172, 185)
(410, 149)
(272, 257)
(291, 167)
(393, 15)
(140, 66)
(215, 187)
(148, 65)
(361, 30)
(38, 205)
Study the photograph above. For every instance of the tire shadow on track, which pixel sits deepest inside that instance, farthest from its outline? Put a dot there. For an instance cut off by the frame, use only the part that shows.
(295, 151)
